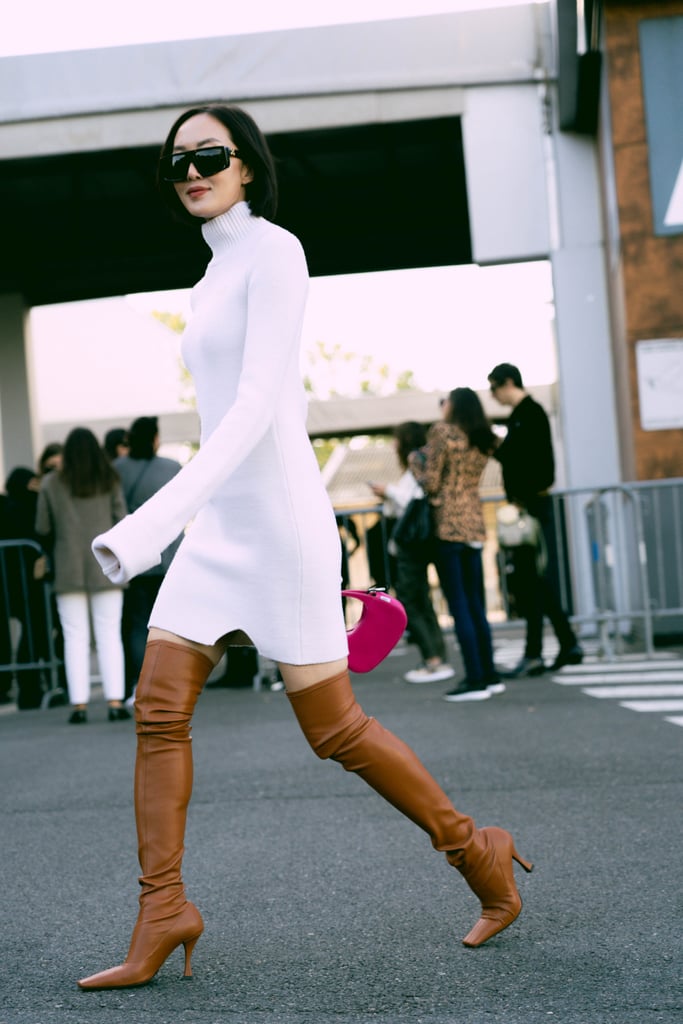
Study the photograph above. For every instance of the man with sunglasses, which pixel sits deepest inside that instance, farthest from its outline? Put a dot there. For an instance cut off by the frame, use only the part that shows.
(526, 456)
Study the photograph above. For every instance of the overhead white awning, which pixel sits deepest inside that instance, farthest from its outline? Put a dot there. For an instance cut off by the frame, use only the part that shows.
(467, 48)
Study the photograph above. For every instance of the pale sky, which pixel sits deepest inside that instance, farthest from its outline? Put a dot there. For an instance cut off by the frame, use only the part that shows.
(44, 26)
(448, 325)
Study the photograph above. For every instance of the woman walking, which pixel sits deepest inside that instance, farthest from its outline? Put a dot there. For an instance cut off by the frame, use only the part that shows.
(412, 563)
(260, 563)
(75, 503)
(457, 450)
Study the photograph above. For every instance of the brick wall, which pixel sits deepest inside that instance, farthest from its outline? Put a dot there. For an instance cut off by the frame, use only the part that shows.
(651, 266)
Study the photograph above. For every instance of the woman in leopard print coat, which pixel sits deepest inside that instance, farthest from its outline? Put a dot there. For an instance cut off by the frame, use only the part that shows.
(458, 448)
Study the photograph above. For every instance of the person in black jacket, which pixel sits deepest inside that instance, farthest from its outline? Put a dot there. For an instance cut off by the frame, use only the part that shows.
(143, 472)
(526, 456)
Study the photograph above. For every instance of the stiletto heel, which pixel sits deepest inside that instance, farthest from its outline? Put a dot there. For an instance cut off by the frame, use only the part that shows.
(171, 679)
(152, 944)
(189, 945)
(526, 864)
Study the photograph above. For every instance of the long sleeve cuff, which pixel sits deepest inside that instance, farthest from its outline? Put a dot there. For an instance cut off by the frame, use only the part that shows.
(125, 551)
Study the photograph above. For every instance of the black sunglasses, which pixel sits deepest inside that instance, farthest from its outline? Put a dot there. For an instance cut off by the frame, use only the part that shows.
(208, 161)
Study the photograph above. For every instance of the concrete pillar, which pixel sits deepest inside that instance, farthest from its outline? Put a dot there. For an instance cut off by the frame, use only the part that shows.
(18, 429)
(534, 192)
(588, 414)
(588, 418)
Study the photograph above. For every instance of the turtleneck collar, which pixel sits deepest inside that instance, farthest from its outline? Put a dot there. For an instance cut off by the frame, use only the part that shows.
(229, 227)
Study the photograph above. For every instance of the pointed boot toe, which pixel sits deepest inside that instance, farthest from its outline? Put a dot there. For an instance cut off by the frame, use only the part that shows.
(488, 925)
(116, 977)
(487, 869)
(151, 945)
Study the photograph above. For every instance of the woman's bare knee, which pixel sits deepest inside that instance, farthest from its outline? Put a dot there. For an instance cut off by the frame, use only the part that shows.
(212, 651)
(299, 677)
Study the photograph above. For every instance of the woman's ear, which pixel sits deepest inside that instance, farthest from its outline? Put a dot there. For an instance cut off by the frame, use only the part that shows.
(247, 174)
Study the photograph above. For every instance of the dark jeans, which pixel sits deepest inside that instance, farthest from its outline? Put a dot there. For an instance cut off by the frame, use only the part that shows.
(412, 590)
(538, 595)
(461, 573)
(138, 601)
(462, 580)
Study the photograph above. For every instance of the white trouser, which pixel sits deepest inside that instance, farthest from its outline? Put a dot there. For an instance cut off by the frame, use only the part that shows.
(106, 607)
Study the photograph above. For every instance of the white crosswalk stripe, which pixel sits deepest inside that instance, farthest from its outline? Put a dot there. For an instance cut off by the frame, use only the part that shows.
(612, 678)
(620, 692)
(653, 705)
(509, 650)
(646, 685)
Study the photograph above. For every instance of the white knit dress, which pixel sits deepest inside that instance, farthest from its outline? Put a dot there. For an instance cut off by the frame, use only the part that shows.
(262, 553)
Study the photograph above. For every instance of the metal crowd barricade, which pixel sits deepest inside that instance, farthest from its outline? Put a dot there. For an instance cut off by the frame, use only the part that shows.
(620, 555)
(620, 603)
(661, 513)
(27, 603)
(364, 534)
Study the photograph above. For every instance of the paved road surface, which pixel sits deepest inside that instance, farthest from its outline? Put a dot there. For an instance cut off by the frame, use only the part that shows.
(322, 905)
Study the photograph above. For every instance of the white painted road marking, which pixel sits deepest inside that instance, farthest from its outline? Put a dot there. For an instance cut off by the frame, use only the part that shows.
(652, 705)
(627, 665)
(647, 685)
(623, 692)
(613, 678)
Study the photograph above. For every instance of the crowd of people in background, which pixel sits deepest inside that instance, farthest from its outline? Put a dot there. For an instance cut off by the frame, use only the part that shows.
(413, 560)
(80, 489)
(457, 450)
(446, 466)
(76, 502)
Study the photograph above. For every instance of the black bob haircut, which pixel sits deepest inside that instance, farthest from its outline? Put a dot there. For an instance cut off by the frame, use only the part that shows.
(506, 371)
(251, 143)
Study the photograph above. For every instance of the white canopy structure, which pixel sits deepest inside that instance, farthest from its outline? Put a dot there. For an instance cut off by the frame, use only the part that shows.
(463, 104)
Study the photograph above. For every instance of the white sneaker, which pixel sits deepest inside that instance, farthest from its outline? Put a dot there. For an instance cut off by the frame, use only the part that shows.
(498, 687)
(424, 674)
(465, 691)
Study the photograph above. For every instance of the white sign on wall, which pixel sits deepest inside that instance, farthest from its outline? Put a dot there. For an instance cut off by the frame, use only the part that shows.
(660, 383)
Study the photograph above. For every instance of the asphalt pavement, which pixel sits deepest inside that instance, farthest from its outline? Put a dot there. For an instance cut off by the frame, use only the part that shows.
(322, 905)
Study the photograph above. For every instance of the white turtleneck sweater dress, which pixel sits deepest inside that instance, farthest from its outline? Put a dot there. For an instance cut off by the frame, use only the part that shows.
(262, 552)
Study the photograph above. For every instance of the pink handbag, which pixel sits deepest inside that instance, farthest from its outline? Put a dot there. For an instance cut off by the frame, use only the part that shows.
(378, 630)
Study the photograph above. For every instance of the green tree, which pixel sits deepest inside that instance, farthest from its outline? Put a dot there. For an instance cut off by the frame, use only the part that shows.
(335, 372)
(174, 321)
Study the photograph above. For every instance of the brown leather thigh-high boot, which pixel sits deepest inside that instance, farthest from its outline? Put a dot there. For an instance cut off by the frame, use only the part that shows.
(171, 679)
(337, 727)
